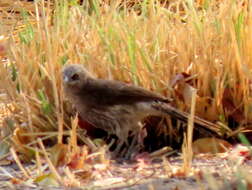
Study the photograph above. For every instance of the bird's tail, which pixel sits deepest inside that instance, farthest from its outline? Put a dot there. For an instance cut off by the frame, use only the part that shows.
(206, 126)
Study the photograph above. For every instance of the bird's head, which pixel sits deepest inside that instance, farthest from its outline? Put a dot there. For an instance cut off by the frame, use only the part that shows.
(75, 75)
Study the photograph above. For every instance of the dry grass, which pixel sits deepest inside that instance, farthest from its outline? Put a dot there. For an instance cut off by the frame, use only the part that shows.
(211, 43)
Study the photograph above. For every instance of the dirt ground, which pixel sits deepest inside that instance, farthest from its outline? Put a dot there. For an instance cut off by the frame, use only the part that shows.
(207, 173)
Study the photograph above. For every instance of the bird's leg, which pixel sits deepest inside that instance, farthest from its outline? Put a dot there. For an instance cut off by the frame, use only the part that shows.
(132, 148)
(137, 142)
(118, 147)
(141, 135)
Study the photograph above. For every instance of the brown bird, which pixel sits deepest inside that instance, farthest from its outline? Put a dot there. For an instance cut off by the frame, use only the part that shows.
(113, 106)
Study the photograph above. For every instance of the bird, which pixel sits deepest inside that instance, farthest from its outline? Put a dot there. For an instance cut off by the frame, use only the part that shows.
(116, 107)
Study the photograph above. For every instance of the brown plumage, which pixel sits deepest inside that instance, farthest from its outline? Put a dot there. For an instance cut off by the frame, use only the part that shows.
(113, 106)
(110, 105)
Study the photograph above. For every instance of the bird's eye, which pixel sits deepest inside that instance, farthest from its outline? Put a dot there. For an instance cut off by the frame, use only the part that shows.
(75, 77)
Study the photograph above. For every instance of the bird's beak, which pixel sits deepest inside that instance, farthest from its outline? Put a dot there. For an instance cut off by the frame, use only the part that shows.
(65, 79)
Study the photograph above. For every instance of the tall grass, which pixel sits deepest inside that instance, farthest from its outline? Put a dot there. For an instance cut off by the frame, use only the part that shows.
(147, 48)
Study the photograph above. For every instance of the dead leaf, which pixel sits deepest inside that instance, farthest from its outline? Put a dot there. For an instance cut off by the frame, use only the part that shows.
(16, 181)
(19, 143)
(183, 88)
(207, 109)
(178, 173)
(179, 78)
(77, 161)
(210, 145)
(19, 135)
(58, 154)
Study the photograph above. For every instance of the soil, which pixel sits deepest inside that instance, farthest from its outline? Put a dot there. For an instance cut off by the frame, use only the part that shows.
(206, 173)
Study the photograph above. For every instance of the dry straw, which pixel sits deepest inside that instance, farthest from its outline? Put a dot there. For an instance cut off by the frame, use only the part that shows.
(147, 47)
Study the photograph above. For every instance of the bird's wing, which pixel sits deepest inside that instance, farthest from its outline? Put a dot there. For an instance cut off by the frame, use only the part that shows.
(115, 92)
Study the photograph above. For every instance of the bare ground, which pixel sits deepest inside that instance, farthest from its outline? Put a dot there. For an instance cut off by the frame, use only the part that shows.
(207, 173)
